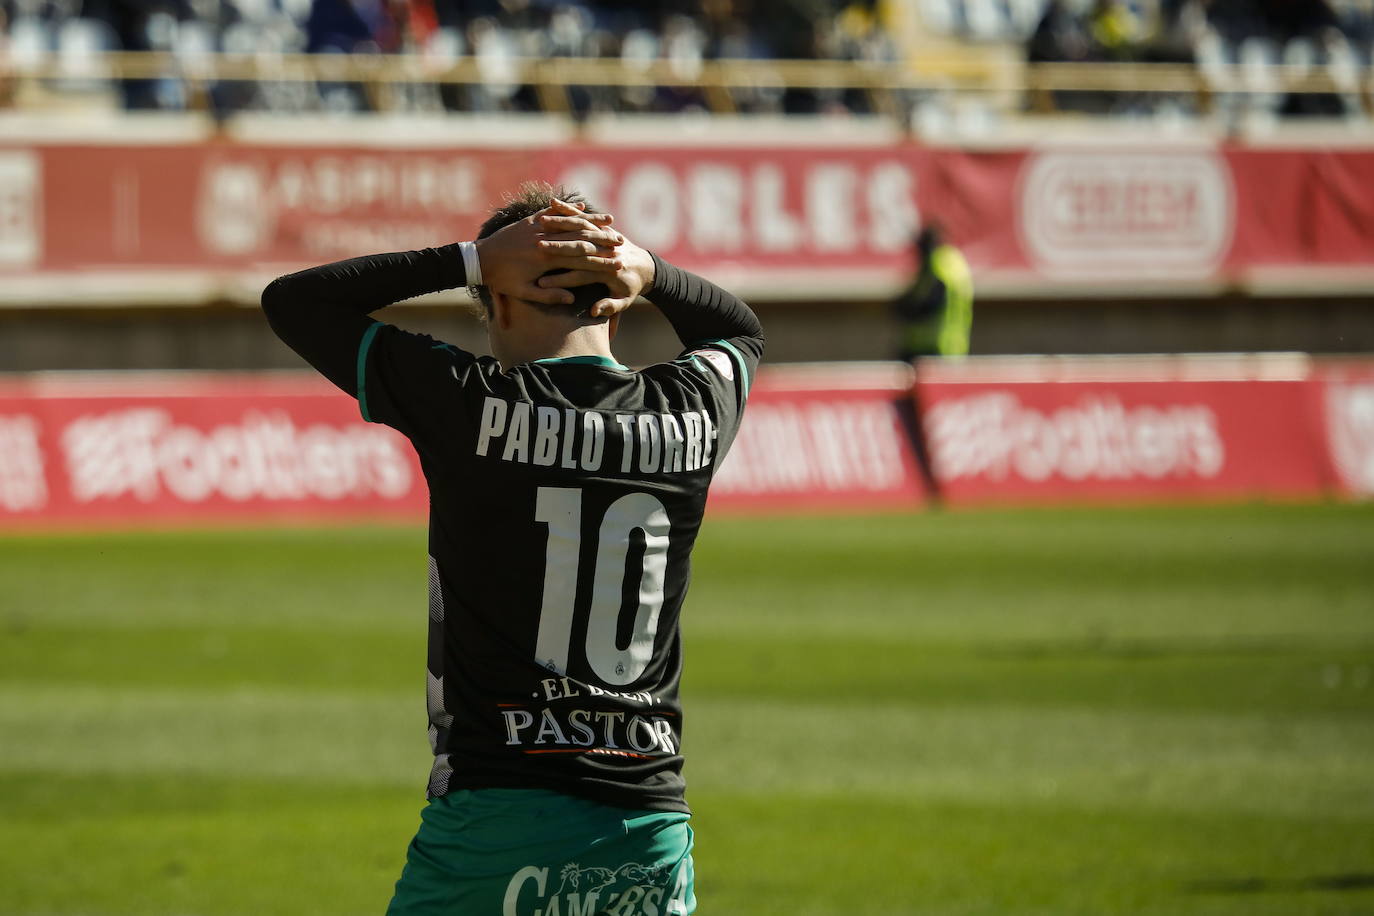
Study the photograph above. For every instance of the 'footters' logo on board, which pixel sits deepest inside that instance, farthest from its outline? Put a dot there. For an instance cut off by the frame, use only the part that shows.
(995, 437)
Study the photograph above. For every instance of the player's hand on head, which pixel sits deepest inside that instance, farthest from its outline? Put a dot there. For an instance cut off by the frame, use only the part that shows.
(634, 274)
(561, 215)
(559, 207)
(558, 237)
(575, 240)
(562, 222)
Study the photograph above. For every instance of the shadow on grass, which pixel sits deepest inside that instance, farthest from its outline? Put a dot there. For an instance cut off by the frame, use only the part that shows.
(1358, 881)
(1103, 646)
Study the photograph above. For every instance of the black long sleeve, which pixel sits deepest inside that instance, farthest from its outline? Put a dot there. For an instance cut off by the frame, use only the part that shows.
(699, 310)
(321, 313)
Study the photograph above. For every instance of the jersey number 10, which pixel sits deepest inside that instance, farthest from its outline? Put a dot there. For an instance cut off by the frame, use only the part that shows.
(561, 509)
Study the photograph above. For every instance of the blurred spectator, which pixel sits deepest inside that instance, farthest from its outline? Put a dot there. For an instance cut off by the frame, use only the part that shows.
(1285, 19)
(570, 32)
(133, 25)
(338, 26)
(1061, 35)
(1302, 54)
(1236, 20)
(857, 34)
(682, 44)
(1180, 27)
(1115, 30)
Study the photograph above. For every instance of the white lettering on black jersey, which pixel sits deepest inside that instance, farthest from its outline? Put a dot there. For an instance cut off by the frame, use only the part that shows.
(667, 443)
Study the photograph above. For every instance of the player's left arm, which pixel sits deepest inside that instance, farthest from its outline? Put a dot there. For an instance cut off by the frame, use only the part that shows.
(699, 311)
(722, 343)
(706, 315)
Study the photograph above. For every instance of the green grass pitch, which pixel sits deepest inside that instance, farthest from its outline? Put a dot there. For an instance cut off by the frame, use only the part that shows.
(1149, 711)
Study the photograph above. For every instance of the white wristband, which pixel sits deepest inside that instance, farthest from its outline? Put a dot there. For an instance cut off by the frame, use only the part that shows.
(472, 266)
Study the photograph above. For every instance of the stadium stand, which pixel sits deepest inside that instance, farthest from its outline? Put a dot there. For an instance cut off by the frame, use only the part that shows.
(495, 35)
(1238, 58)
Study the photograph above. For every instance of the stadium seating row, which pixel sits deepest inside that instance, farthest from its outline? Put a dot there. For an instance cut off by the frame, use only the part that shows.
(1312, 72)
(442, 33)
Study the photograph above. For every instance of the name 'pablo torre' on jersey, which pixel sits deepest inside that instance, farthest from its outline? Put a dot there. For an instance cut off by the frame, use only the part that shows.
(647, 443)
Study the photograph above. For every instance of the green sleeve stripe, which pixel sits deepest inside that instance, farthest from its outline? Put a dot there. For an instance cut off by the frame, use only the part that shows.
(363, 346)
(739, 358)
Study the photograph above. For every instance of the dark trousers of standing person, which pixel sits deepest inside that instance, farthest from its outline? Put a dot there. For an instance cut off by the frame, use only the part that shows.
(912, 415)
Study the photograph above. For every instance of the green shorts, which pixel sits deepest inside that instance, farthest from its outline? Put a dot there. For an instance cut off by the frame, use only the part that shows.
(530, 852)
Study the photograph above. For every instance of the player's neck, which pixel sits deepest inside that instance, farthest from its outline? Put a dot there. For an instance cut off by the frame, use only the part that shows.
(551, 343)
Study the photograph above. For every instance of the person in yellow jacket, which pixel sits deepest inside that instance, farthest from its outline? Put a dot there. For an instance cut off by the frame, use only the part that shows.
(936, 310)
(936, 313)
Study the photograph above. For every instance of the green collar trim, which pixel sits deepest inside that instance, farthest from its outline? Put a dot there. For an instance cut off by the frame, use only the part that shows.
(603, 361)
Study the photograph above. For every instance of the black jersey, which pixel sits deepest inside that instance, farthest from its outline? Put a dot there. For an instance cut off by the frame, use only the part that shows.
(565, 497)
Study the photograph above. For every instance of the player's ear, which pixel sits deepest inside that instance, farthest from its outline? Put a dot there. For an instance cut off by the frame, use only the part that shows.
(501, 310)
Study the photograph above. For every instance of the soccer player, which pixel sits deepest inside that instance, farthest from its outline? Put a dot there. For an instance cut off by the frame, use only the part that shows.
(566, 491)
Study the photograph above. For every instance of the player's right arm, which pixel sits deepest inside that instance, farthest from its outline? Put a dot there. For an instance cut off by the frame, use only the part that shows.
(323, 312)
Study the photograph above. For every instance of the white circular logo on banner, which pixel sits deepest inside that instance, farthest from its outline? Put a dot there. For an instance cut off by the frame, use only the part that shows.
(234, 214)
(1155, 214)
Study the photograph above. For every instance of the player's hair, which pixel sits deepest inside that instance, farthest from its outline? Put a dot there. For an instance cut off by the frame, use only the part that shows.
(529, 199)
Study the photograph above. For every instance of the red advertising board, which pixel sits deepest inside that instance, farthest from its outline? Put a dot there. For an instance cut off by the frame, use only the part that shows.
(823, 438)
(230, 206)
(203, 448)
(1347, 407)
(1124, 440)
(193, 448)
(777, 220)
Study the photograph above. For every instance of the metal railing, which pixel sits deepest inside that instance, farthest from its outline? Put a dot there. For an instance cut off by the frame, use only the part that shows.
(889, 86)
